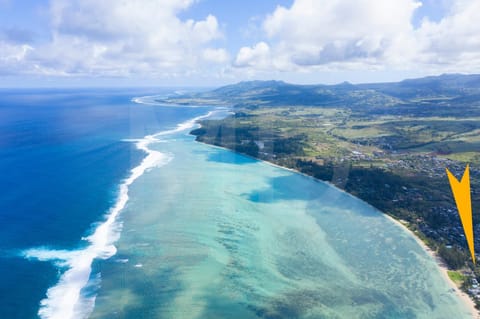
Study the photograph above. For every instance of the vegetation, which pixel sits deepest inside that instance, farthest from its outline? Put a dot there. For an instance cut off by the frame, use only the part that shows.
(388, 144)
(453, 257)
(457, 277)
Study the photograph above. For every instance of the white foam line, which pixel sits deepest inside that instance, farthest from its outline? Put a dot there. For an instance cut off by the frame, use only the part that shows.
(142, 100)
(64, 300)
(151, 100)
(184, 126)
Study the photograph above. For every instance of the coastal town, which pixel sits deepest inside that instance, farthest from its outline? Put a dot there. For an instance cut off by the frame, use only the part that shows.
(392, 157)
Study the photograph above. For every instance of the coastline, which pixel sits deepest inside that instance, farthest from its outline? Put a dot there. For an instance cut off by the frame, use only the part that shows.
(465, 298)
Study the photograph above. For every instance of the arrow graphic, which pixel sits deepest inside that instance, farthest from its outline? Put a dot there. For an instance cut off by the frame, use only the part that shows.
(461, 194)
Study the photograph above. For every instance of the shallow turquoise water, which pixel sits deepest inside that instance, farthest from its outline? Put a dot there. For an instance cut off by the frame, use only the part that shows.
(213, 234)
(63, 155)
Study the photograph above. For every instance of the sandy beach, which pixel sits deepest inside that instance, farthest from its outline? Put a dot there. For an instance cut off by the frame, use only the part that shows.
(443, 269)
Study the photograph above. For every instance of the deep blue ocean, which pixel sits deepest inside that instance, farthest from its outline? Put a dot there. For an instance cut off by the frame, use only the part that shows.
(109, 209)
(63, 155)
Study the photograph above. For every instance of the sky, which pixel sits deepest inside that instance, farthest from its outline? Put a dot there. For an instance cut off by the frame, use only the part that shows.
(205, 43)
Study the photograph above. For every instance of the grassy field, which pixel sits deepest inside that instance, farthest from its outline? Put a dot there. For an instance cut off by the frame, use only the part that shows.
(457, 277)
(388, 145)
(395, 163)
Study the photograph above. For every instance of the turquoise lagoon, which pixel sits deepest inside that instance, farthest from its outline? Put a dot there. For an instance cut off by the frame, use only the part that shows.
(213, 234)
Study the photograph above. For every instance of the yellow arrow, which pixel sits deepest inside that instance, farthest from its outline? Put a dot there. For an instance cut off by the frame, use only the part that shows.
(461, 193)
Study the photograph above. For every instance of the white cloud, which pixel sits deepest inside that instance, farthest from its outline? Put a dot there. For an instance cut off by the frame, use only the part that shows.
(257, 56)
(334, 35)
(322, 32)
(215, 55)
(119, 38)
(12, 57)
(14, 53)
(148, 38)
(453, 42)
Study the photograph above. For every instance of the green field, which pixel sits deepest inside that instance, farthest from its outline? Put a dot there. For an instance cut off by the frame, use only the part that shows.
(388, 144)
(457, 277)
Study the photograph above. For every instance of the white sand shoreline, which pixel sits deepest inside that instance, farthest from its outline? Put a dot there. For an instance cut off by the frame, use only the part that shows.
(443, 270)
(469, 303)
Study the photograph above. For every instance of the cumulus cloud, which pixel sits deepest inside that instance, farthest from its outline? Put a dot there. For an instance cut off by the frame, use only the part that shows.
(368, 34)
(118, 38)
(128, 37)
(257, 56)
(12, 57)
(454, 41)
(313, 32)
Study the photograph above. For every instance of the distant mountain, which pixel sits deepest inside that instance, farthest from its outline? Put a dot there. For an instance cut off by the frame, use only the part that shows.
(432, 90)
(272, 93)
(248, 86)
(454, 81)
(447, 85)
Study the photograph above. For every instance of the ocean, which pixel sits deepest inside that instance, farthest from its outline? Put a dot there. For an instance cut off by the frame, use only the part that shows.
(109, 209)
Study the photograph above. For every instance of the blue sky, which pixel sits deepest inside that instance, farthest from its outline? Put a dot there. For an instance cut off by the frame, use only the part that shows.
(215, 42)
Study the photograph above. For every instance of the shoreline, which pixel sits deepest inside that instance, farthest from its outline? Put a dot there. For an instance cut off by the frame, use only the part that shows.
(465, 298)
